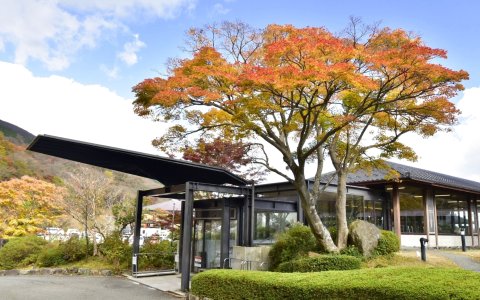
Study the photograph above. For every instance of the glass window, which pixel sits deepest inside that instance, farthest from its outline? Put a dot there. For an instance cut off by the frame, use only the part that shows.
(326, 208)
(452, 212)
(373, 212)
(269, 224)
(355, 208)
(411, 210)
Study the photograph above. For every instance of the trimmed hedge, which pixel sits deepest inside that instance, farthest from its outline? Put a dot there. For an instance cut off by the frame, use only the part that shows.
(321, 263)
(384, 283)
(388, 243)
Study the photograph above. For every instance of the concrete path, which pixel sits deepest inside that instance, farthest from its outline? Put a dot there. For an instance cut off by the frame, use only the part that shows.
(34, 287)
(165, 283)
(463, 261)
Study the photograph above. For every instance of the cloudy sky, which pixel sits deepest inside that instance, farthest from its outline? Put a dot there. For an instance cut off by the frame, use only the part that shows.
(67, 67)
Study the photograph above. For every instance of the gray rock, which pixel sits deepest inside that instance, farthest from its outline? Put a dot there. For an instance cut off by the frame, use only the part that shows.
(44, 271)
(72, 270)
(84, 271)
(12, 272)
(57, 271)
(364, 236)
(106, 272)
(2, 272)
(33, 272)
(23, 272)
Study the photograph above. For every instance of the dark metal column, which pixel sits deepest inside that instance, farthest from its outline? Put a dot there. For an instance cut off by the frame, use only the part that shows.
(136, 232)
(187, 238)
(225, 233)
(180, 241)
(246, 221)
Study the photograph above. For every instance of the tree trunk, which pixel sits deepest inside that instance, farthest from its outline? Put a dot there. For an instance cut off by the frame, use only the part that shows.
(341, 210)
(319, 230)
(94, 241)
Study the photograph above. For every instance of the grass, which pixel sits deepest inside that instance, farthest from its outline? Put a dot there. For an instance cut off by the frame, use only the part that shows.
(409, 258)
(472, 253)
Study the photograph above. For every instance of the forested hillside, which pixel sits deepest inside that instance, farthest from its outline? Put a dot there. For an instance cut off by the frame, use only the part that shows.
(39, 191)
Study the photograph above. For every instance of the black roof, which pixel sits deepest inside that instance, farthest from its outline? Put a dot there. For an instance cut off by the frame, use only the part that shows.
(166, 170)
(378, 175)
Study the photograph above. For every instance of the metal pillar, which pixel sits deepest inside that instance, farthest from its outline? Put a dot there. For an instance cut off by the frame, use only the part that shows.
(225, 231)
(180, 241)
(136, 232)
(187, 238)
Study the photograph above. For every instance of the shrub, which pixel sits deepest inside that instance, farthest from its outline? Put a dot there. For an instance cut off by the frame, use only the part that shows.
(352, 250)
(73, 249)
(383, 283)
(20, 251)
(387, 244)
(51, 255)
(320, 263)
(293, 243)
(159, 255)
(116, 251)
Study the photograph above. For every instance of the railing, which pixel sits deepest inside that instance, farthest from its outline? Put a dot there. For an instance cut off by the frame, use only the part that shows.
(246, 265)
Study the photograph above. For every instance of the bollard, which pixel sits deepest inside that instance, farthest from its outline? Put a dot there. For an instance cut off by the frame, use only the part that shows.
(423, 241)
(462, 235)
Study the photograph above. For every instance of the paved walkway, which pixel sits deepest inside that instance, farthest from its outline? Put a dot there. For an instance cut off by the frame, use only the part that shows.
(463, 261)
(166, 283)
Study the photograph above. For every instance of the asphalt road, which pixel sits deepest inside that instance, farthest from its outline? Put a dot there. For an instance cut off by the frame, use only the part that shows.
(75, 288)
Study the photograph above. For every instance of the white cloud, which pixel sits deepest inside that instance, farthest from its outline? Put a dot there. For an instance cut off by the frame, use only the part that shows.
(218, 8)
(456, 153)
(52, 31)
(130, 49)
(110, 72)
(63, 107)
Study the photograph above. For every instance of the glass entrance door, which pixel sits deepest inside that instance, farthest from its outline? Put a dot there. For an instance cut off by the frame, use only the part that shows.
(207, 243)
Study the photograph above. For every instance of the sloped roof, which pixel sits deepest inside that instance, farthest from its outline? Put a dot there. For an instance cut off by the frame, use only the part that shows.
(410, 173)
(166, 170)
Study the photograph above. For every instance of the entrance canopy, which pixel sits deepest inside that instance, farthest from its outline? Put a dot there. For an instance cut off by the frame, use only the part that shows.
(165, 170)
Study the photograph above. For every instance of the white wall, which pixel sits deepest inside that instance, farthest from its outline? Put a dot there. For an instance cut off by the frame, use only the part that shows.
(452, 241)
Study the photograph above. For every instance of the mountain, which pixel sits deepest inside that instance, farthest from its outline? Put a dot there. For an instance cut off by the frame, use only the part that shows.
(16, 134)
(16, 161)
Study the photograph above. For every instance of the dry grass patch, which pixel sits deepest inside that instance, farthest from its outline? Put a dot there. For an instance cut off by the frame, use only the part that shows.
(472, 253)
(409, 258)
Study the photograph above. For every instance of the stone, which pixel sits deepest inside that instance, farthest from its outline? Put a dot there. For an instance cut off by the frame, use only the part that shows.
(2, 272)
(44, 271)
(106, 272)
(33, 272)
(83, 271)
(12, 272)
(72, 270)
(23, 272)
(57, 271)
(364, 236)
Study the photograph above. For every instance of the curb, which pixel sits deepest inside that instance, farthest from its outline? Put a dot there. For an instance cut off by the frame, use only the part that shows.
(58, 271)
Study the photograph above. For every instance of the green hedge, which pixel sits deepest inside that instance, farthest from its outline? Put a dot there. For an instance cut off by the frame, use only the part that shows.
(384, 283)
(294, 243)
(321, 263)
(388, 243)
(20, 251)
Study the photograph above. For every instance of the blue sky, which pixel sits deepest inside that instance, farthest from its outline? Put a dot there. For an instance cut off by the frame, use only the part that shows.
(67, 67)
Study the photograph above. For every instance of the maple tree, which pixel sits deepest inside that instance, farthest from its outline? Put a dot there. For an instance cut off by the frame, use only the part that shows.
(299, 90)
(227, 154)
(28, 205)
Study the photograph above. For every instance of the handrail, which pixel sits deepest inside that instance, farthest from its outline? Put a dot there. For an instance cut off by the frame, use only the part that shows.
(244, 264)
